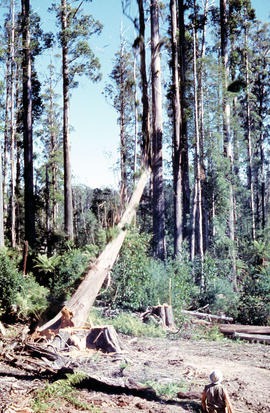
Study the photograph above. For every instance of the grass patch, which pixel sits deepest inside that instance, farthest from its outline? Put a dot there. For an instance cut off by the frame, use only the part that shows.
(127, 323)
(132, 326)
(51, 398)
(167, 390)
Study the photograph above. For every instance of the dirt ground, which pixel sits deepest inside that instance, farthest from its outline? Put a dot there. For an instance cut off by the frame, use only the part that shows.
(166, 365)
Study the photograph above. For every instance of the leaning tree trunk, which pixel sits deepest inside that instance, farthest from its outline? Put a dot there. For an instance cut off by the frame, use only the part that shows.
(80, 303)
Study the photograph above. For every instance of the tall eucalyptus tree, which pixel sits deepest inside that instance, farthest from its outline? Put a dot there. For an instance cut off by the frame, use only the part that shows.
(77, 59)
(159, 244)
(27, 124)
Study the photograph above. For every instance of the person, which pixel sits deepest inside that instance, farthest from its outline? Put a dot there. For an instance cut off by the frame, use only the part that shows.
(215, 399)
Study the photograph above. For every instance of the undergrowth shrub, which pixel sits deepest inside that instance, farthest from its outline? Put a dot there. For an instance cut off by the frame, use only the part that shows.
(255, 299)
(139, 281)
(62, 273)
(131, 325)
(20, 296)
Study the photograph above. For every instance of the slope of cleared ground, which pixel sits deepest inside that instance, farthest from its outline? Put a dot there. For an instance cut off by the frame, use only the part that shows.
(165, 365)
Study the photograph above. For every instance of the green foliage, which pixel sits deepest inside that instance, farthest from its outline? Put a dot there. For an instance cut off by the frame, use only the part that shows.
(51, 397)
(129, 324)
(166, 390)
(20, 296)
(47, 264)
(31, 300)
(10, 282)
(255, 299)
(68, 272)
(139, 281)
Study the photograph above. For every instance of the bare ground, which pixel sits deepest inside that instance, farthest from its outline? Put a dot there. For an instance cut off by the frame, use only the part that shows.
(167, 365)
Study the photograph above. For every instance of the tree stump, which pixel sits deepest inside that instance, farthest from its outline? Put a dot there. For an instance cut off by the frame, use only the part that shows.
(103, 338)
(165, 313)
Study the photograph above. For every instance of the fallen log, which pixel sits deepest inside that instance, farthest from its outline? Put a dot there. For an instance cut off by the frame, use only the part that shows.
(209, 317)
(259, 338)
(230, 329)
(190, 395)
(80, 303)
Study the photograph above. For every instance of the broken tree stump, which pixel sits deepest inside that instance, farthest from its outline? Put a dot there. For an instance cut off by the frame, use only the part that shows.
(103, 338)
(165, 314)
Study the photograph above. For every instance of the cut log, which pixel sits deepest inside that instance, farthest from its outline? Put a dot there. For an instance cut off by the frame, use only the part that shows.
(230, 329)
(209, 317)
(83, 298)
(259, 338)
(190, 395)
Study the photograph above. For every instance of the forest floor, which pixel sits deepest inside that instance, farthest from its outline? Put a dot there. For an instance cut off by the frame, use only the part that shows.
(167, 365)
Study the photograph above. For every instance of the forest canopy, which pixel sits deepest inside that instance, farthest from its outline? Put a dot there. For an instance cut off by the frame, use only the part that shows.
(191, 93)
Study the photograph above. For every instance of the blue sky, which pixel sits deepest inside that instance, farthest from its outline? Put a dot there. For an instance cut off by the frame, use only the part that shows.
(95, 138)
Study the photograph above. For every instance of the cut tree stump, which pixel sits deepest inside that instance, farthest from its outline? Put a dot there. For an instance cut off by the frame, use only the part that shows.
(165, 314)
(103, 338)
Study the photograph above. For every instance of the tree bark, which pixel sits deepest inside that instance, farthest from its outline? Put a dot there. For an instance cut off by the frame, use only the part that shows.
(159, 244)
(66, 145)
(177, 129)
(145, 101)
(12, 129)
(197, 203)
(249, 143)
(83, 298)
(227, 133)
(2, 238)
(183, 130)
(27, 133)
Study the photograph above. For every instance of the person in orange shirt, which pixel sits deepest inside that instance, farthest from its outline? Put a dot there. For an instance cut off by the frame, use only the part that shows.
(215, 398)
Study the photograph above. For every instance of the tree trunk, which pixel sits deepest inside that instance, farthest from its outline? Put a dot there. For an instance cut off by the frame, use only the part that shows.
(27, 133)
(66, 148)
(201, 74)
(12, 128)
(249, 144)
(123, 140)
(183, 130)
(145, 101)
(227, 133)
(2, 238)
(197, 203)
(18, 161)
(159, 245)
(135, 118)
(177, 128)
(83, 298)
